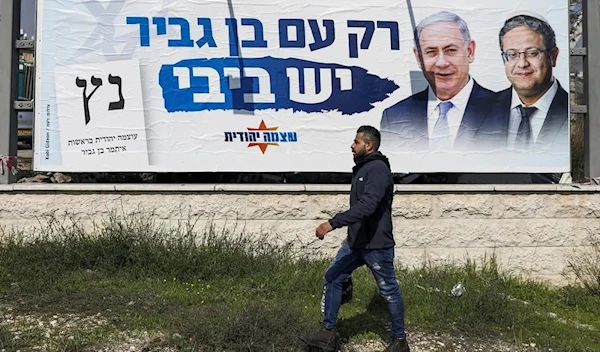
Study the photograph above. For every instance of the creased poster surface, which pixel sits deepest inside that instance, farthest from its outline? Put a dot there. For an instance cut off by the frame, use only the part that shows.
(255, 85)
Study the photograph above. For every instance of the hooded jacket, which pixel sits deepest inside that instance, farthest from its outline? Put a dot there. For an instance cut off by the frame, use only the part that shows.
(369, 218)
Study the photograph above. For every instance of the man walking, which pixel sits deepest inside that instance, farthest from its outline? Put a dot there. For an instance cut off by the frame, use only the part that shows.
(369, 242)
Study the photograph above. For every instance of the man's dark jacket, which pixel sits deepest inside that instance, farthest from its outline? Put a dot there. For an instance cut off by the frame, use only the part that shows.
(369, 218)
(554, 135)
(404, 125)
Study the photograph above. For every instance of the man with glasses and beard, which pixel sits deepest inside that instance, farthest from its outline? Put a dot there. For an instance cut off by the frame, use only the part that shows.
(532, 114)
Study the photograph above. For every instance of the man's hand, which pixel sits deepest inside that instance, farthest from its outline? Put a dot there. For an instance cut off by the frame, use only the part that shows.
(323, 229)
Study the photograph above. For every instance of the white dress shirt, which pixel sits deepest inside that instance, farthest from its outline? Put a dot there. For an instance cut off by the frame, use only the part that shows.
(538, 117)
(454, 115)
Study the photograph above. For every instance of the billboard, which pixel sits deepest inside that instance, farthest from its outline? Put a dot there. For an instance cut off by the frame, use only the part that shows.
(256, 85)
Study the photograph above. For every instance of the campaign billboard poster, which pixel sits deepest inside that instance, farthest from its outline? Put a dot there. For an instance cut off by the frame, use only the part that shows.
(262, 86)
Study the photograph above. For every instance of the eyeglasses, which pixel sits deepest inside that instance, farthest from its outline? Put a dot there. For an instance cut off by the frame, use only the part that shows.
(513, 55)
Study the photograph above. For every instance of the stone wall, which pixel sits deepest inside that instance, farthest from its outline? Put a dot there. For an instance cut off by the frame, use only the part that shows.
(532, 230)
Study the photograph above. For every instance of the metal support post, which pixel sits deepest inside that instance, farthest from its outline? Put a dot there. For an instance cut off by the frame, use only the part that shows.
(591, 66)
(10, 24)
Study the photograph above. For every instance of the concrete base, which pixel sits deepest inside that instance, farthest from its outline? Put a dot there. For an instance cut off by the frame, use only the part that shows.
(533, 230)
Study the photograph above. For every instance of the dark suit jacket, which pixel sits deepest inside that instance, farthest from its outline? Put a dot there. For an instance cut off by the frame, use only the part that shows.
(404, 125)
(554, 135)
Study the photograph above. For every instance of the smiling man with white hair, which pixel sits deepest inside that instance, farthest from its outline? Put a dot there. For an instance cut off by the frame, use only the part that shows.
(446, 115)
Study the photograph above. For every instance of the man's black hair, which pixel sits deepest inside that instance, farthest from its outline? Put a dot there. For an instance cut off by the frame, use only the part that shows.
(370, 134)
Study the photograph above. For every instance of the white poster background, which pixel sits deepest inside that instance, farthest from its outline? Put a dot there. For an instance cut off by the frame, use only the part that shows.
(194, 141)
(112, 140)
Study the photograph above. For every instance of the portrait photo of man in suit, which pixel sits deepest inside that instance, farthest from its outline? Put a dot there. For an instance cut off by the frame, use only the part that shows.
(446, 115)
(532, 114)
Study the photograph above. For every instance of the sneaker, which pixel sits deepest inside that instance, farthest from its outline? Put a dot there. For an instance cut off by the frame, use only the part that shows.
(398, 345)
(327, 340)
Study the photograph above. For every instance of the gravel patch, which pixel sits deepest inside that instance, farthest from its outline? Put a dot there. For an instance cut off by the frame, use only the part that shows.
(426, 342)
(52, 332)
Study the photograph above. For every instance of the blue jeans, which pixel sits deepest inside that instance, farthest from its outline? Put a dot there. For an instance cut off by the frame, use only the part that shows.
(381, 264)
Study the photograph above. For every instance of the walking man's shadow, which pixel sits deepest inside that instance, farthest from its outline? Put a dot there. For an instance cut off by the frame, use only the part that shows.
(374, 320)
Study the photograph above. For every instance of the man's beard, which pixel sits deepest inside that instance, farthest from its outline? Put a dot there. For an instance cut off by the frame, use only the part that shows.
(359, 155)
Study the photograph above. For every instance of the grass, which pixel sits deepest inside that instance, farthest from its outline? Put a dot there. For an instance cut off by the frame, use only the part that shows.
(585, 265)
(217, 292)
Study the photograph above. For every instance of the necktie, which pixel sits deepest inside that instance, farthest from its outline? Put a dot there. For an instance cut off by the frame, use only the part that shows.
(441, 131)
(524, 134)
